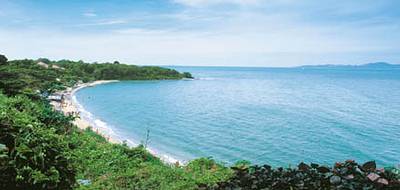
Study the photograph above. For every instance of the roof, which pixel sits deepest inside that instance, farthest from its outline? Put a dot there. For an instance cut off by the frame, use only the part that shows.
(55, 97)
(43, 64)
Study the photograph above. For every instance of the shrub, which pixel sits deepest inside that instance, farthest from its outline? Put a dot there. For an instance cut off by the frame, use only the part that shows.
(3, 59)
(32, 154)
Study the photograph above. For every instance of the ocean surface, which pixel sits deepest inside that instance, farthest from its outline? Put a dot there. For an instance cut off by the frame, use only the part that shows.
(279, 116)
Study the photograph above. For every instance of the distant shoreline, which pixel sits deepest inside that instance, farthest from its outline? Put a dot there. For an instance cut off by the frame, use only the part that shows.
(71, 106)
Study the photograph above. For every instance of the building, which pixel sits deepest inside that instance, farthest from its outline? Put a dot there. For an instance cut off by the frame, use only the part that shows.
(56, 97)
(43, 64)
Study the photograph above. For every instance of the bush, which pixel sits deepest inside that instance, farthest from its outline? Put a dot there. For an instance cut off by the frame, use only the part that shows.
(32, 154)
(3, 59)
(117, 166)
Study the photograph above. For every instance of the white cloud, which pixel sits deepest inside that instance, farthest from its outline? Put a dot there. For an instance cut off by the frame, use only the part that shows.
(202, 3)
(104, 23)
(140, 31)
(212, 36)
(89, 14)
(265, 41)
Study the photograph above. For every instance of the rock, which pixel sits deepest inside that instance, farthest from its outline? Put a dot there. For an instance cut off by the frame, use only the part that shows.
(373, 176)
(344, 171)
(335, 179)
(369, 166)
(359, 171)
(303, 167)
(313, 165)
(348, 177)
(383, 181)
(323, 169)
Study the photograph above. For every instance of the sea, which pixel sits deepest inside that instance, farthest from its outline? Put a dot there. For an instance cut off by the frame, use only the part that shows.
(276, 116)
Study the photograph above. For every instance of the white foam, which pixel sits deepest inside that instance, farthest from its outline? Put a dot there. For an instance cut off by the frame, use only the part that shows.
(207, 78)
(165, 157)
(106, 130)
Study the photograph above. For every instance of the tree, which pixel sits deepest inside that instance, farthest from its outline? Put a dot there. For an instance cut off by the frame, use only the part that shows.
(3, 59)
(44, 60)
(187, 75)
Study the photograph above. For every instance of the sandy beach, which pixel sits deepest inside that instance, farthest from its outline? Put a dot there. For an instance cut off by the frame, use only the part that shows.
(69, 105)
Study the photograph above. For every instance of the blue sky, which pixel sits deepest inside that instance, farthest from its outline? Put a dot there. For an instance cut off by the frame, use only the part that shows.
(203, 32)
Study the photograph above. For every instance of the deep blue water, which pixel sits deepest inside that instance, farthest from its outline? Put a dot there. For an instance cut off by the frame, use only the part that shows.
(263, 115)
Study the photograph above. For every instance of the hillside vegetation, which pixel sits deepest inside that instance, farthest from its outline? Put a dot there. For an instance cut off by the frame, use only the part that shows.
(41, 149)
(29, 76)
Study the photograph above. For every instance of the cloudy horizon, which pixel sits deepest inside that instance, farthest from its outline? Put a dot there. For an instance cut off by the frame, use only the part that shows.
(266, 33)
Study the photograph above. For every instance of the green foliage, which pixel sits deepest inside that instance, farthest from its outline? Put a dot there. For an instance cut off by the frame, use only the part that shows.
(28, 77)
(3, 60)
(33, 152)
(44, 60)
(116, 166)
(117, 71)
(187, 75)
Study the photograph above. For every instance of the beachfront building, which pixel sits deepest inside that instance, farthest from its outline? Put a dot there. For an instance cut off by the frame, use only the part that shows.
(56, 97)
(43, 64)
(57, 67)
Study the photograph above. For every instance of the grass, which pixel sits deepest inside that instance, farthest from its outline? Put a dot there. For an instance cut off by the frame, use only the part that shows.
(117, 166)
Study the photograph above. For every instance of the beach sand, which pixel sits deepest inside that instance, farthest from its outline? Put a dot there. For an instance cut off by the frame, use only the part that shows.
(70, 106)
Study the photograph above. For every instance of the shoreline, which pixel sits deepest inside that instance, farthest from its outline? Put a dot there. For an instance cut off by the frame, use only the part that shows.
(70, 105)
(85, 119)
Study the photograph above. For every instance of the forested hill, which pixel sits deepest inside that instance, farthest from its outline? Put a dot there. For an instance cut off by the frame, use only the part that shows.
(30, 76)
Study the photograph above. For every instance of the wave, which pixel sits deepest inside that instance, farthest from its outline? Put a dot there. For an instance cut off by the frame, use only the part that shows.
(96, 124)
(207, 78)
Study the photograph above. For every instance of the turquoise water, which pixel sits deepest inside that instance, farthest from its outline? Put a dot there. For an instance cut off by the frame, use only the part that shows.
(263, 115)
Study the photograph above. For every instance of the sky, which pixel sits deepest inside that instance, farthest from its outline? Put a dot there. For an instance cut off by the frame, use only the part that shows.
(265, 33)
